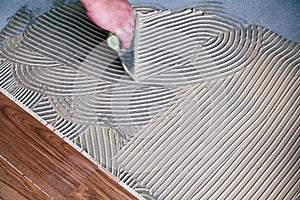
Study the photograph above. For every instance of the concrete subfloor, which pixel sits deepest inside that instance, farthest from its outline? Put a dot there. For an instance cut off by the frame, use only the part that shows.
(280, 16)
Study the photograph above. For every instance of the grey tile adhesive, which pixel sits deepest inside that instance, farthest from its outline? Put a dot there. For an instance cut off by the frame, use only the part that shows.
(213, 112)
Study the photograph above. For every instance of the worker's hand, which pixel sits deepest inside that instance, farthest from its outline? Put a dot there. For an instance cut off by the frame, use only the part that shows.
(115, 16)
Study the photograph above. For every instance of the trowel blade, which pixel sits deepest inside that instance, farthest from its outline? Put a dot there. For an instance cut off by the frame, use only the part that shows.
(128, 59)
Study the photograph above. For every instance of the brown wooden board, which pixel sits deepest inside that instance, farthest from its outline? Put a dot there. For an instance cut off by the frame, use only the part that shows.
(49, 161)
(14, 186)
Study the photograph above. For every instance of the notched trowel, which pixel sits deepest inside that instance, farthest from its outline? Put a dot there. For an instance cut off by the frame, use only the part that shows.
(126, 55)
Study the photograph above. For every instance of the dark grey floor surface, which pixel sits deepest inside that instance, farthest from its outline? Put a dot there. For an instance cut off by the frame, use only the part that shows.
(281, 16)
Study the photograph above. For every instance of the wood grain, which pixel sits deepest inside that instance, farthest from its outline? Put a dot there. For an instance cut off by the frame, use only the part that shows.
(14, 186)
(49, 161)
(109, 191)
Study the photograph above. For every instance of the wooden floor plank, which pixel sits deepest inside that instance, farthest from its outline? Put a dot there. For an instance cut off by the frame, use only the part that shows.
(115, 191)
(14, 186)
(49, 161)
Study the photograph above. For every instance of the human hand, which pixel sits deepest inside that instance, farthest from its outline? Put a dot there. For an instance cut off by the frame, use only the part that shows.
(115, 16)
